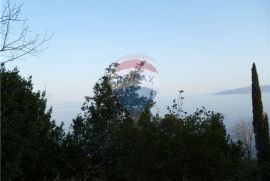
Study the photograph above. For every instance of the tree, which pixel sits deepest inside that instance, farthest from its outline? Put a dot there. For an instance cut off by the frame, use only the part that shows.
(94, 133)
(175, 147)
(260, 125)
(17, 43)
(104, 145)
(210, 153)
(30, 147)
(242, 131)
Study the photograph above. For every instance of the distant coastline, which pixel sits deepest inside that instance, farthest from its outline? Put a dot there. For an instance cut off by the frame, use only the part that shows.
(243, 90)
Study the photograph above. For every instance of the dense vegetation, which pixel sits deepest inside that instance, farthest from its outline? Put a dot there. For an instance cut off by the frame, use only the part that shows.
(30, 141)
(261, 127)
(104, 145)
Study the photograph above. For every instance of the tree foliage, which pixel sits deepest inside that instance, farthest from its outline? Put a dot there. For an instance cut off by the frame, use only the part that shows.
(30, 139)
(173, 147)
(103, 144)
(261, 127)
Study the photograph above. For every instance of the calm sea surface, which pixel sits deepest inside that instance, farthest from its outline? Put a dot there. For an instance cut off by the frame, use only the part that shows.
(234, 107)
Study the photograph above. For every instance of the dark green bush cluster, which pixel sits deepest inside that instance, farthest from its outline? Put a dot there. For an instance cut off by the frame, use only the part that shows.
(104, 145)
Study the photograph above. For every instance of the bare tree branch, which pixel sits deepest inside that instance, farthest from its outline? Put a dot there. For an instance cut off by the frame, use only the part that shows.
(242, 131)
(16, 45)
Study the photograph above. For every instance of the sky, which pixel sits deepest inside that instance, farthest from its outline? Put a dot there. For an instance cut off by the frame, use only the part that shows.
(201, 47)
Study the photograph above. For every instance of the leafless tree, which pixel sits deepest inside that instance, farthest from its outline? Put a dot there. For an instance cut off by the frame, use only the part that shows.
(17, 43)
(242, 131)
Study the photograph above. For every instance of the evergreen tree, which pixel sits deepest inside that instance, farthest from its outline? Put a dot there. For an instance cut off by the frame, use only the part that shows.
(260, 125)
(104, 145)
(108, 147)
(30, 141)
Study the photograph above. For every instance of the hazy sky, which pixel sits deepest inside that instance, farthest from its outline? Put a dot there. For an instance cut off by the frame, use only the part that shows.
(201, 46)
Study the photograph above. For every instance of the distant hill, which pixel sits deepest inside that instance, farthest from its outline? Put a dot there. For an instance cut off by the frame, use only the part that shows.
(243, 90)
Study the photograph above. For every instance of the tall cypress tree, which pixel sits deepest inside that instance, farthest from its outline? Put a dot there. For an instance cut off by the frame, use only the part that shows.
(260, 123)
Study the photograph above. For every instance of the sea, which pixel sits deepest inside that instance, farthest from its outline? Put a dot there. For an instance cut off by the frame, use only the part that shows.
(235, 107)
